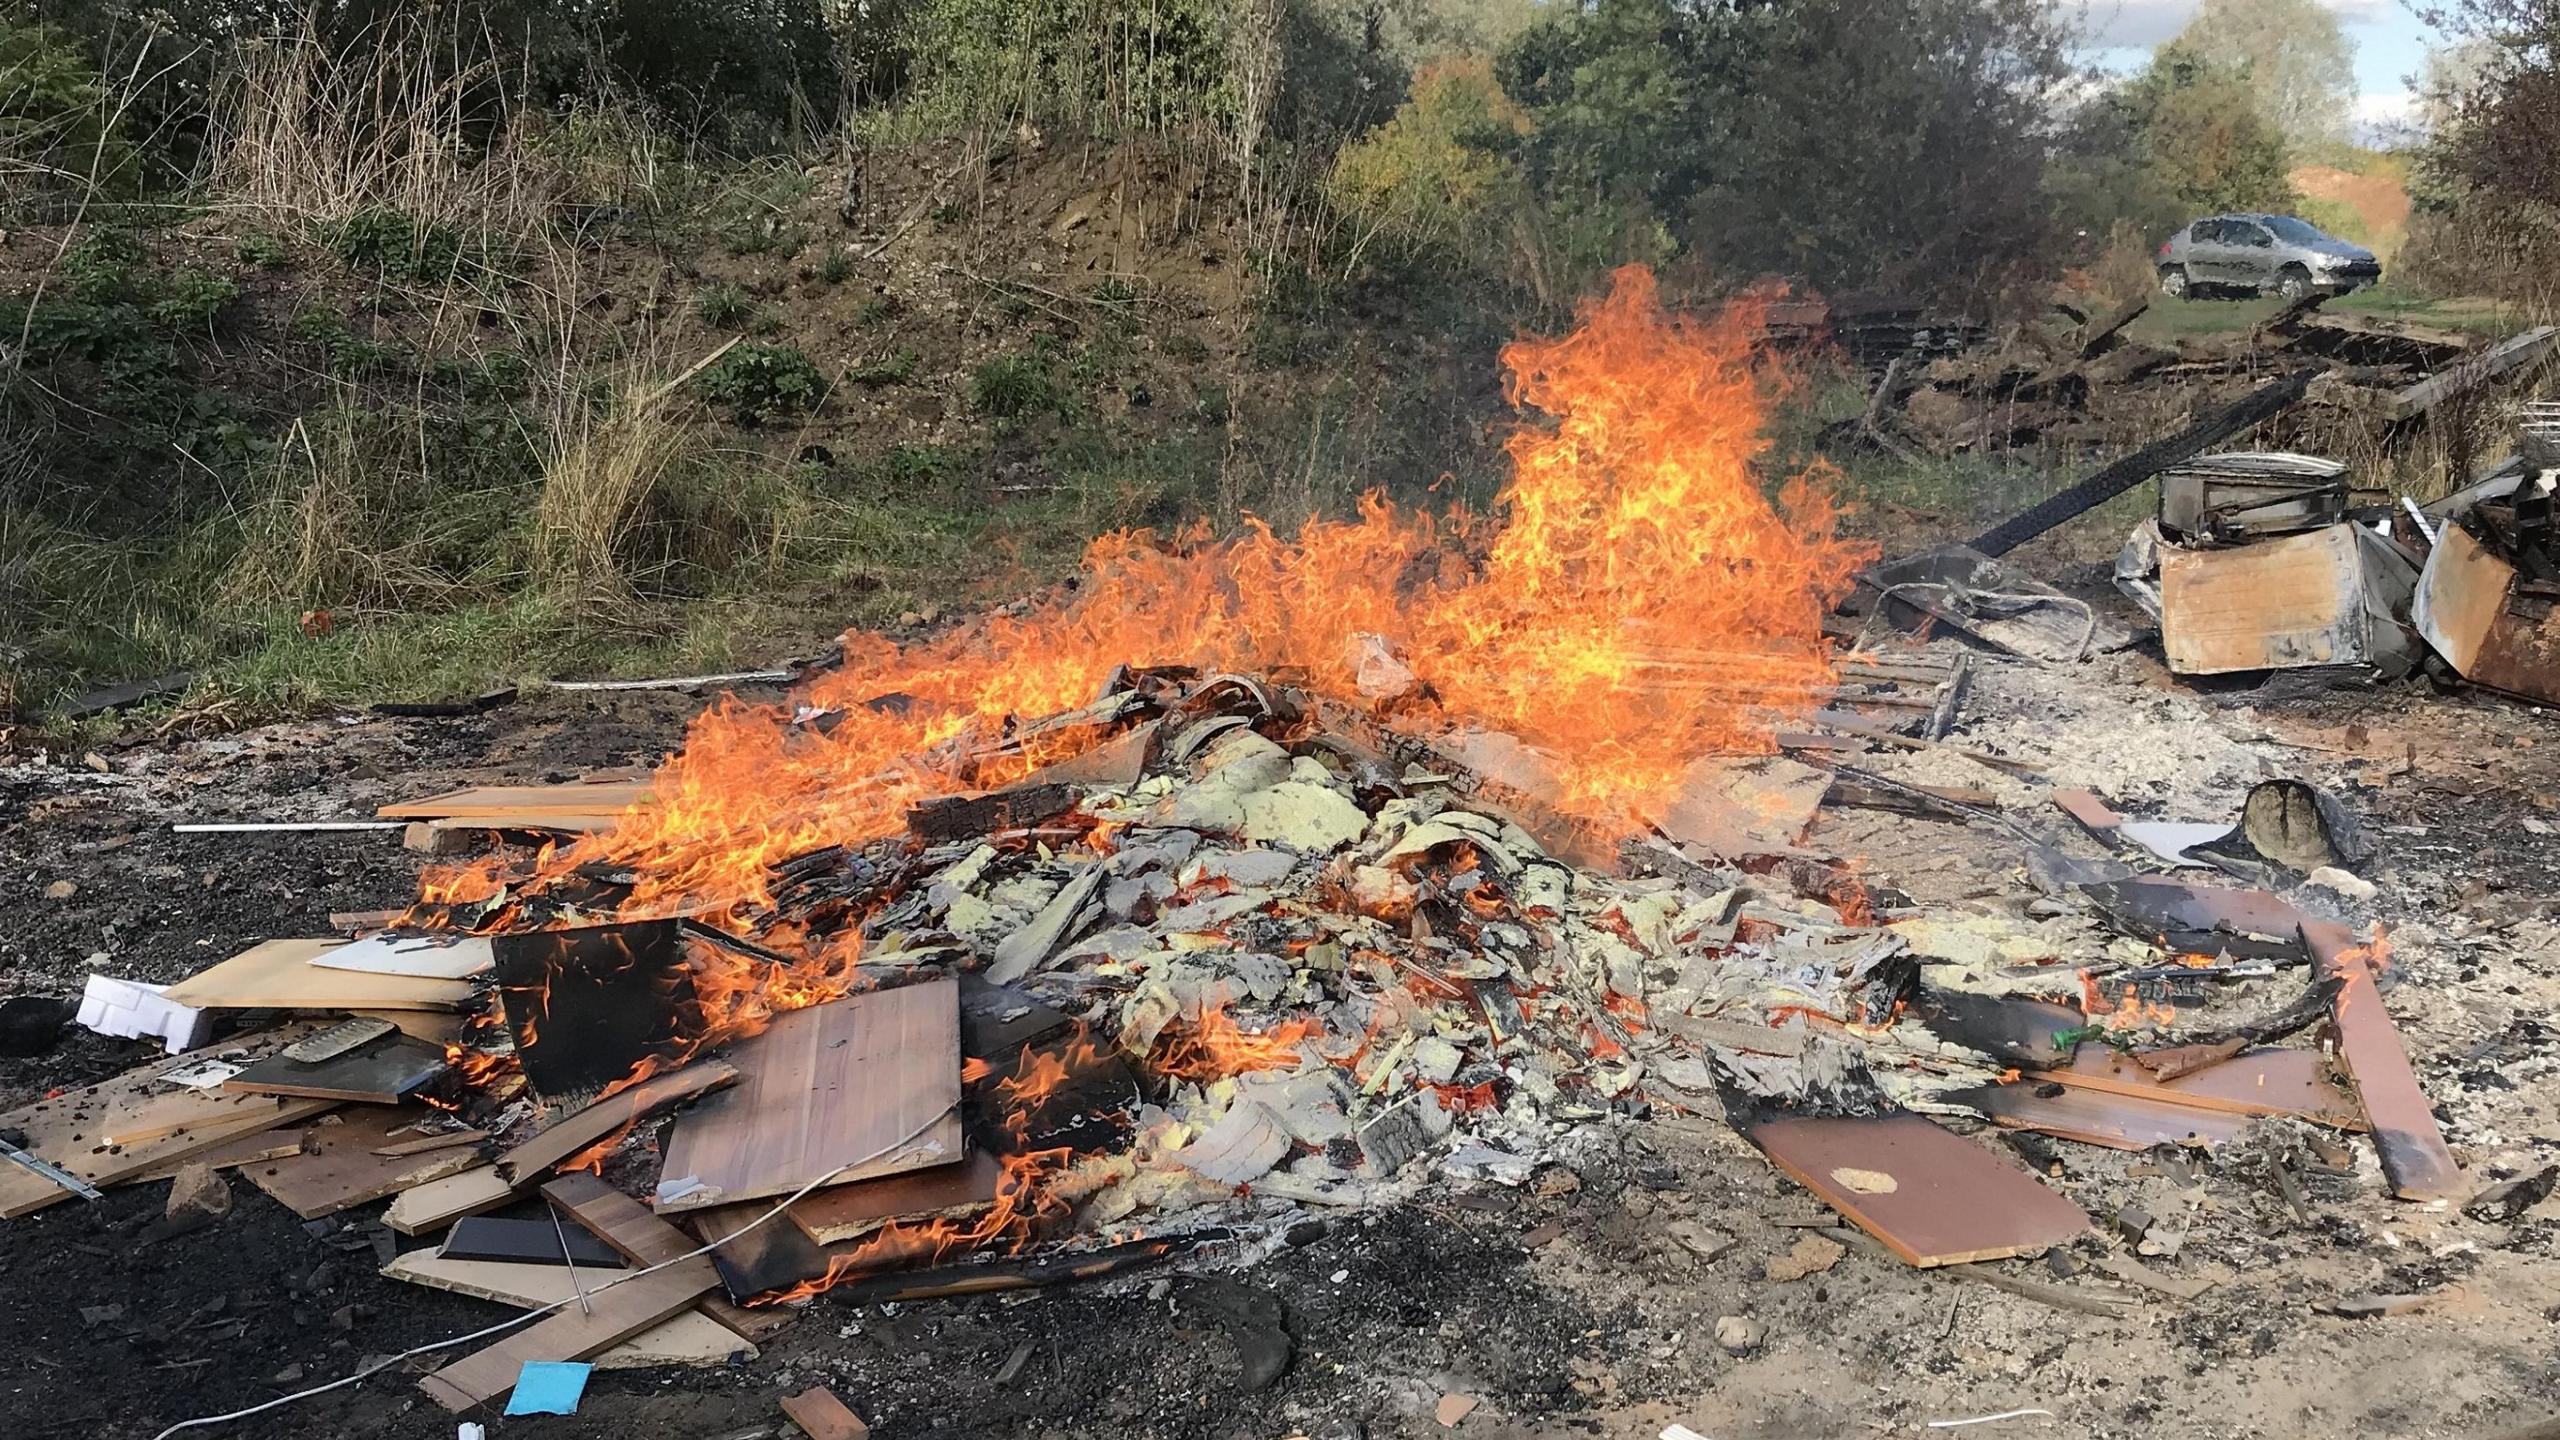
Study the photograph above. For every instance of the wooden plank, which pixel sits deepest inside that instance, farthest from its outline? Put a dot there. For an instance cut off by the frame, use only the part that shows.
(866, 1086)
(821, 1416)
(1951, 1201)
(2414, 1157)
(381, 1072)
(162, 1124)
(644, 1239)
(502, 801)
(844, 1212)
(248, 1150)
(492, 1185)
(2512, 353)
(618, 1310)
(688, 1338)
(279, 975)
(336, 1168)
(2260, 1082)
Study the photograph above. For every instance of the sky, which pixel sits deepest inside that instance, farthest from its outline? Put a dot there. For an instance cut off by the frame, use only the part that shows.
(2391, 46)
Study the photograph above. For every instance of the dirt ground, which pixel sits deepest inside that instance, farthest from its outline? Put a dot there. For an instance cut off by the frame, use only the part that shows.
(1584, 1304)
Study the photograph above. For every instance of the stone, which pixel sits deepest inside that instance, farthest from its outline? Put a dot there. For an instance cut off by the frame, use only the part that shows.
(2354, 887)
(1739, 1334)
(61, 890)
(1811, 1256)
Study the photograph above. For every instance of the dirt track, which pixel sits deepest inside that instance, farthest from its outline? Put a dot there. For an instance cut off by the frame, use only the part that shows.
(1569, 1307)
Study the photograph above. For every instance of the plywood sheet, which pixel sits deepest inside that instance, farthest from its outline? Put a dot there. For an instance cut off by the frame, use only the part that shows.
(490, 1186)
(279, 975)
(1951, 1202)
(2414, 1157)
(688, 1338)
(120, 1129)
(863, 1087)
(336, 1168)
(846, 1212)
(2259, 1082)
(2120, 1122)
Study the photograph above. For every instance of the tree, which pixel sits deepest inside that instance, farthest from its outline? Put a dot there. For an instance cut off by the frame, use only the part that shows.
(2201, 135)
(2488, 189)
(2300, 66)
(1849, 142)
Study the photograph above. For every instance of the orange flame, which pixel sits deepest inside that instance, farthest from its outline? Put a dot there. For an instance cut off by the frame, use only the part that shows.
(1214, 1047)
(1634, 519)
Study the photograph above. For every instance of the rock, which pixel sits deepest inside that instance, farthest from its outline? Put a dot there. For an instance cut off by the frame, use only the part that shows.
(1555, 1182)
(1452, 1409)
(197, 1197)
(1705, 1242)
(61, 890)
(1811, 1256)
(1739, 1334)
(2354, 887)
(1436, 1060)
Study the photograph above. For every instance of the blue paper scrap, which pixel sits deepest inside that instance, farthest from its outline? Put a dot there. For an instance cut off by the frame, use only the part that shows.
(548, 1387)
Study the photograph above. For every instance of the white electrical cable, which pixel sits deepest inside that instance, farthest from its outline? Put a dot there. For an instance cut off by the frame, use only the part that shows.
(1987, 1419)
(434, 1345)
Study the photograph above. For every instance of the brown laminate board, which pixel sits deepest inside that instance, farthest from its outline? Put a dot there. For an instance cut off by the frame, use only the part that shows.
(167, 1123)
(1951, 1201)
(2259, 1082)
(2120, 1122)
(482, 801)
(2414, 1157)
(689, 1338)
(822, 1416)
(862, 1087)
(336, 1168)
(844, 1212)
(644, 1239)
(618, 1310)
(279, 975)
(489, 1186)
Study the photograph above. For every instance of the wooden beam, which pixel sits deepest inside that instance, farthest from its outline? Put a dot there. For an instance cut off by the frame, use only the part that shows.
(2512, 353)
(644, 1239)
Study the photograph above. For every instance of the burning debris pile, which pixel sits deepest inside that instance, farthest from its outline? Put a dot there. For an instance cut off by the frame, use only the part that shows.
(1247, 877)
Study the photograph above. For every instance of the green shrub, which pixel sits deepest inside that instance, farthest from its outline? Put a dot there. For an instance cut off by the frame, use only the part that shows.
(723, 306)
(190, 300)
(56, 130)
(1015, 387)
(100, 268)
(894, 369)
(395, 245)
(260, 249)
(1425, 177)
(757, 382)
(836, 267)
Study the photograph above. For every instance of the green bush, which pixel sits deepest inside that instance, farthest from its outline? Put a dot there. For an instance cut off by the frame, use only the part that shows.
(1425, 177)
(757, 382)
(262, 250)
(56, 135)
(723, 307)
(190, 301)
(395, 245)
(1015, 387)
(896, 368)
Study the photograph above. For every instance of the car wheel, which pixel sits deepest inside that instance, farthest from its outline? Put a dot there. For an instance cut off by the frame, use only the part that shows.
(2173, 282)
(2293, 285)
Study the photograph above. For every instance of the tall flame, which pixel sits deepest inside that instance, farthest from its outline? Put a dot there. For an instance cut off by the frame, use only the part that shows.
(1633, 524)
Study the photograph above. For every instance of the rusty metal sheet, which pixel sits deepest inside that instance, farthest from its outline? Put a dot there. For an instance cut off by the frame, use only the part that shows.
(1942, 1199)
(2468, 611)
(2278, 604)
(2414, 1157)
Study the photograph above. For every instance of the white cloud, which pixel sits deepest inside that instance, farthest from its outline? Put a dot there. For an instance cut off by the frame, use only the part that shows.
(2392, 107)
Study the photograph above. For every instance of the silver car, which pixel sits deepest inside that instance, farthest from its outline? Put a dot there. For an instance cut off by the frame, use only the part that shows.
(2260, 253)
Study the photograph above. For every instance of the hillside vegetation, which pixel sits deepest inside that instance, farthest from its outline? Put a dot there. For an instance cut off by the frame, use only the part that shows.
(377, 354)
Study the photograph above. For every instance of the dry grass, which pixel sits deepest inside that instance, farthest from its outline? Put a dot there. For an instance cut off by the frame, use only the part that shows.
(411, 122)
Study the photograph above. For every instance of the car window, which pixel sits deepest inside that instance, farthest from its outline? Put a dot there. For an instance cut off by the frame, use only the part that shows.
(2205, 232)
(2295, 232)
(2252, 235)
